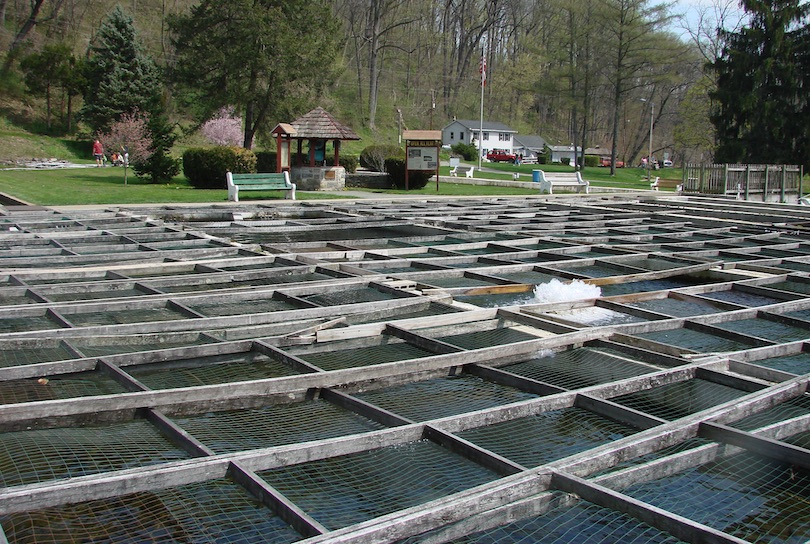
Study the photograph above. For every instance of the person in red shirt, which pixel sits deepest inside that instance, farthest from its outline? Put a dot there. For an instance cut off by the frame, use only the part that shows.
(98, 152)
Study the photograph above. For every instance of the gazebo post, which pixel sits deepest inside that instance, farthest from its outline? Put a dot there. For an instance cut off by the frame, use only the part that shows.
(298, 154)
(337, 152)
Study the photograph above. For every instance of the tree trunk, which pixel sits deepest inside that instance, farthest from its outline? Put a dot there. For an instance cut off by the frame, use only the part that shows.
(249, 123)
(375, 19)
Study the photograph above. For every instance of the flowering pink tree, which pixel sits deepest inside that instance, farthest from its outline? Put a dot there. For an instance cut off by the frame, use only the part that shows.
(130, 137)
(224, 128)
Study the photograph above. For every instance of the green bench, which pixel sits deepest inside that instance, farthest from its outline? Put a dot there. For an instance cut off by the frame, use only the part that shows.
(259, 182)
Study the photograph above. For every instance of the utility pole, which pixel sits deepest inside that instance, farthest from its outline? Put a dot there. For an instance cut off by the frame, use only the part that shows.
(649, 154)
(482, 68)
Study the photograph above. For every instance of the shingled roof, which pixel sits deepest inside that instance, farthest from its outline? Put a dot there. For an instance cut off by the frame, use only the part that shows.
(319, 123)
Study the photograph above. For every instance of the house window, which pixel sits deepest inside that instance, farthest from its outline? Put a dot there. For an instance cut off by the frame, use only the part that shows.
(452, 136)
(461, 136)
(503, 136)
(486, 135)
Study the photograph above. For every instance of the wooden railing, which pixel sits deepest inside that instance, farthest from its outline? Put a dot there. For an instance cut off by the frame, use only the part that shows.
(770, 182)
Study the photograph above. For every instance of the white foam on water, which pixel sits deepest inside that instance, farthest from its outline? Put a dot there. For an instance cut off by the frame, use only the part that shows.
(558, 291)
(545, 352)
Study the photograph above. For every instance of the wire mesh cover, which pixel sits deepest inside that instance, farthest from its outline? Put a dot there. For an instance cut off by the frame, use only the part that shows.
(765, 328)
(747, 496)
(548, 436)
(30, 355)
(365, 356)
(27, 323)
(485, 339)
(798, 407)
(795, 364)
(582, 523)
(575, 368)
(442, 397)
(236, 430)
(686, 445)
(233, 367)
(742, 298)
(352, 296)
(216, 308)
(680, 399)
(676, 307)
(431, 310)
(349, 489)
(38, 455)
(118, 317)
(694, 340)
(109, 346)
(215, 511)
(63, 386)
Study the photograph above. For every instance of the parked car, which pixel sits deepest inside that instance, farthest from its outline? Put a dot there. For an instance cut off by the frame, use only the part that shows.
(605, 161)
(501, 155)
(667, 163)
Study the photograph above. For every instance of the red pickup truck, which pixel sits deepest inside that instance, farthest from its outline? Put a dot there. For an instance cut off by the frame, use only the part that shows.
(501, 155)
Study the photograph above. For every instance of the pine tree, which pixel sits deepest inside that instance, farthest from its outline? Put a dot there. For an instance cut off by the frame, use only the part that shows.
(123, 79)
(760, 106)
(266, 58)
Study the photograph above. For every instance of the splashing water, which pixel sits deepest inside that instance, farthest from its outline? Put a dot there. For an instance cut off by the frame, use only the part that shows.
(557, 291)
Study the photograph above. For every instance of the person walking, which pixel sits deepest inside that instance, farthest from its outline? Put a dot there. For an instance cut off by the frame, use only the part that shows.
(98, 152)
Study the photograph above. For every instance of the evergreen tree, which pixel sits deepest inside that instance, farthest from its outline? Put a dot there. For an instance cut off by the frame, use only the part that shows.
(760, 108)
(266, 58)
(123, 79)
(45, 70)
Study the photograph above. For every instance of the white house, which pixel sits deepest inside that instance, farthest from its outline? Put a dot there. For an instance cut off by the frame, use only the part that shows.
(495, 135)
(558, 152)
(529, 146)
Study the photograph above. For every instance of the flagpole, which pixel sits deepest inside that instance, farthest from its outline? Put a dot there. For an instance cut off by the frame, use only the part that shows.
(483, 70)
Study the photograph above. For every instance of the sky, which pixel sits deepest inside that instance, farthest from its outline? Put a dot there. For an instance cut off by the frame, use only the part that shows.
(691, 12)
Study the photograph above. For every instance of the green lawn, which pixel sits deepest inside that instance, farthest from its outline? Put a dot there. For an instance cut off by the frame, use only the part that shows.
(60, 187)
(71, 186)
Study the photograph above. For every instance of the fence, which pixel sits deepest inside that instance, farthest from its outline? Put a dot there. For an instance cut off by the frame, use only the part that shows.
(770, 182)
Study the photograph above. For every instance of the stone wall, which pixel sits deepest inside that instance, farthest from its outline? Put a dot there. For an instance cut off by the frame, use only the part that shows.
(318, 178)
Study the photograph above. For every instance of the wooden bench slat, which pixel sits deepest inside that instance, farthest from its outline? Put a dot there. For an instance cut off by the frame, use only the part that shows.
(259, 182)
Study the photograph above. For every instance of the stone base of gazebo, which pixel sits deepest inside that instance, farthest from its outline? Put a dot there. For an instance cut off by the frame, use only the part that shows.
(318, 178)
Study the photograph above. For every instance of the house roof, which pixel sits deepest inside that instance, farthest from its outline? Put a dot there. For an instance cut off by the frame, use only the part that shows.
(530, 141)
(320, 124)
(488, 125)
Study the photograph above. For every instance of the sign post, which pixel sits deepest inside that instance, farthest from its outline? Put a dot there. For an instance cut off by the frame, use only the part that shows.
(422, 152)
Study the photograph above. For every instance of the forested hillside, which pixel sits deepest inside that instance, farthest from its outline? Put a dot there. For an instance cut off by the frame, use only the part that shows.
(593, 73)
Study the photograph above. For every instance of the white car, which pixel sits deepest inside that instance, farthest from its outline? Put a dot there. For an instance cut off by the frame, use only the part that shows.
(667, 163)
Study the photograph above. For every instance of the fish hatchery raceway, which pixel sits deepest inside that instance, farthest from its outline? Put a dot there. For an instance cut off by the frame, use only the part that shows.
(587, 368)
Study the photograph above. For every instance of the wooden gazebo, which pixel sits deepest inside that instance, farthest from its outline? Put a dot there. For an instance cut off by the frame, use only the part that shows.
(318, 127)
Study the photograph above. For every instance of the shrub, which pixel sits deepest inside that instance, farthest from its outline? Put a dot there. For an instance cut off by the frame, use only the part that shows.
(349, 162)
(205, 168)
(266, 161)
(468, 151)
(591, 160)
(373, 157)
(396, 173)
(565, 160)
